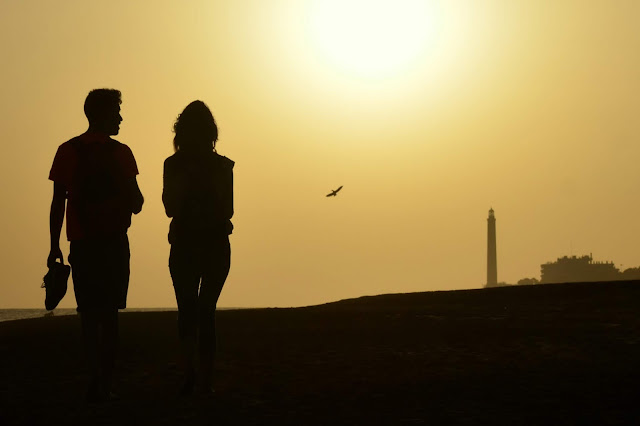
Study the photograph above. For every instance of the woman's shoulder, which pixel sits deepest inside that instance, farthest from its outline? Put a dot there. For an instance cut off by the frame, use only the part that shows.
(225, 162)
(180, 159)
(172, 159)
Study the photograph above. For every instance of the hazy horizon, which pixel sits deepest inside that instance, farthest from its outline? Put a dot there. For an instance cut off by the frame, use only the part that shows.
(427, 112)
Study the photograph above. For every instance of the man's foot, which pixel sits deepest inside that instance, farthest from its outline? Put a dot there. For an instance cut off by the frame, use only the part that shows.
(207, 387)
(206, 391)
(98, 393)
(95, 392)
(112, 396)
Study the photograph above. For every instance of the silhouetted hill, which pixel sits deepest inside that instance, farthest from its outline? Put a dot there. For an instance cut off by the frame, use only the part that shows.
(532, 355)
(571, 296)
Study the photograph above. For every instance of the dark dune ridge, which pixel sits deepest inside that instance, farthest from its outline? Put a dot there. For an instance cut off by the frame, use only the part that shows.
(545, 354)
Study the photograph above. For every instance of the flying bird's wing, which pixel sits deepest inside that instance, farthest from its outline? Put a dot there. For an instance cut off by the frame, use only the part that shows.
(334, 192)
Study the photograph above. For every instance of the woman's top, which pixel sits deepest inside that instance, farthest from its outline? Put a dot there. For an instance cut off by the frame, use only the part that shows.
(198, 195)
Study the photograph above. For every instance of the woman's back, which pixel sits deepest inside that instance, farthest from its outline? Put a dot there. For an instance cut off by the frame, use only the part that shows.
(198, 195)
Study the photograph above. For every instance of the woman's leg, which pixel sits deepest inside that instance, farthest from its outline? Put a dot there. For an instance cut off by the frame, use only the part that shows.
(216, 269)
(186, 279)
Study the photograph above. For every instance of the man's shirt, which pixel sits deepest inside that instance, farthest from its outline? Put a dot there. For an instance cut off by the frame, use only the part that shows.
(94, 170)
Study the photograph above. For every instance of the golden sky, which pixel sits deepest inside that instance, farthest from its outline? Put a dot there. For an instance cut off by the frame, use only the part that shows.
(428, 112)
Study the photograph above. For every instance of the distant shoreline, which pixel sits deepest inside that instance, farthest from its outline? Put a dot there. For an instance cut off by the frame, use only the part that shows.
(543, 290)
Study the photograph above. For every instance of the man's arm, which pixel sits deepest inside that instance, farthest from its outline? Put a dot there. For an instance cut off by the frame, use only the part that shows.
(135, 195)
(56, 218)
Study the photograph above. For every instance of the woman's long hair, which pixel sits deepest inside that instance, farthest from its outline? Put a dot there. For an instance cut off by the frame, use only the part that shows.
(195, 129)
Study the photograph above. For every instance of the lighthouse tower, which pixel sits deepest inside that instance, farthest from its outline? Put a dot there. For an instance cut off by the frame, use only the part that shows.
(492, 261)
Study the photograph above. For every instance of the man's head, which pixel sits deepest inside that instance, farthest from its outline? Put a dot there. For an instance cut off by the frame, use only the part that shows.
(102, 108)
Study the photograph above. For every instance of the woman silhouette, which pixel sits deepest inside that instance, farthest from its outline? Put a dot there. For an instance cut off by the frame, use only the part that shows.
(198, 196)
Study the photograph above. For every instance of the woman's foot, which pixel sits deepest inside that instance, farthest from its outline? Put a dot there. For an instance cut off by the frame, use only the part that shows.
(206, 377)
(98, 392)
(207, 391)
(188, 385)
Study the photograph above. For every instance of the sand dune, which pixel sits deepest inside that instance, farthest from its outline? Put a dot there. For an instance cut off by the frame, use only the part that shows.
(547, 354)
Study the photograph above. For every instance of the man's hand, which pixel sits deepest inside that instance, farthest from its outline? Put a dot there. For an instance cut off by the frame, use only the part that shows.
(135, 196)
(54, 255)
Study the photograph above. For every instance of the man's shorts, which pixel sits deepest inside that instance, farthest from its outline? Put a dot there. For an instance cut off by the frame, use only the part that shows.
(100, 271)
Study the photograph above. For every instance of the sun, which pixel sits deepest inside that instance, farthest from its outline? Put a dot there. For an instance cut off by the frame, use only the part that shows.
(372, 38)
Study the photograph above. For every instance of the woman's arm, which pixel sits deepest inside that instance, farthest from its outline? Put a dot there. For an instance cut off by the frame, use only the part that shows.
(229, 203)
(173, 190)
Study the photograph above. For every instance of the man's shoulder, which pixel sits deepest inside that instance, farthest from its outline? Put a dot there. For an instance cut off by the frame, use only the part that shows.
(83, 139)
(120, 147)
(71, 141)
(64, 162)
(67, 147)
(119, 144)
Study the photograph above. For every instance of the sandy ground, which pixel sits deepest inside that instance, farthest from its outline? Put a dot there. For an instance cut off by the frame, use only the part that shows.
(554, 354)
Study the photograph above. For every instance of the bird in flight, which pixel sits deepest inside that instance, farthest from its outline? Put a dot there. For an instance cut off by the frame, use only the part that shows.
(334, 192)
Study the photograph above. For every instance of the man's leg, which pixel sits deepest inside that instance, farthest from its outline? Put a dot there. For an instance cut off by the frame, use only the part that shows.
(109, 347)
(82, 258)
(114, 269)
(90, 321)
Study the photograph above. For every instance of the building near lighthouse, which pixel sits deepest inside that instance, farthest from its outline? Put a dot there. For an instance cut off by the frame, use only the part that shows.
(492, 259)
(578, 269)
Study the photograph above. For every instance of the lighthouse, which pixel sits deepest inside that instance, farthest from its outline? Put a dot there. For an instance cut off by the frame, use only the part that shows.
(492, 261)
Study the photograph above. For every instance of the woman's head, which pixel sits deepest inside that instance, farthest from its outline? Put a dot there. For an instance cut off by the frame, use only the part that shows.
(195, 128)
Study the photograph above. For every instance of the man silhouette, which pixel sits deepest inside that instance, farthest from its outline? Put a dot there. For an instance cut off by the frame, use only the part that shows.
(94, 180)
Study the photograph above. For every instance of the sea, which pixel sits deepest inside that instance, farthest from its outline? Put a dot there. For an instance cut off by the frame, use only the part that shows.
(18, 314)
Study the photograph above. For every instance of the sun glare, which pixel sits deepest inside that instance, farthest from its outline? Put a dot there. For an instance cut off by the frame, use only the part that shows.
(372, 38)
